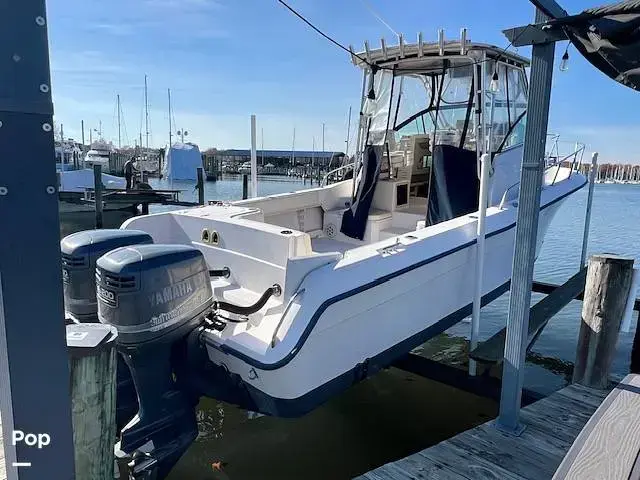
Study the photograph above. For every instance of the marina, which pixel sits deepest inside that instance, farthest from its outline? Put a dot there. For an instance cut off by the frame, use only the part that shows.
(455, 296)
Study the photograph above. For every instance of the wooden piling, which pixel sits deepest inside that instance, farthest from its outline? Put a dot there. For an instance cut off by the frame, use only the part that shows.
(200, 186)
(606, 290)
(245, 186)
(93, 361)
(97, 188)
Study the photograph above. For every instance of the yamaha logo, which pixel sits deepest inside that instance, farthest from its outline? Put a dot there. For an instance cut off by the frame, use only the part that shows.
(170, 293)
(107, 296)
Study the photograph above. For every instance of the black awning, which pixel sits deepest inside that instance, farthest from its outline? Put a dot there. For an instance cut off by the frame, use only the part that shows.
(609, 37)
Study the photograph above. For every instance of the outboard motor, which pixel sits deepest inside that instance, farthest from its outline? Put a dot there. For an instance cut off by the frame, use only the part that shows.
(155, 295)
(80, 251)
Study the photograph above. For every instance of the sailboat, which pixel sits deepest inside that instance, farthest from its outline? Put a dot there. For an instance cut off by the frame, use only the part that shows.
(278, 303)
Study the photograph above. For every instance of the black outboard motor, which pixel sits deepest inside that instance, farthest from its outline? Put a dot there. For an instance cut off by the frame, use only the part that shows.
(80, 251)
(155, 295)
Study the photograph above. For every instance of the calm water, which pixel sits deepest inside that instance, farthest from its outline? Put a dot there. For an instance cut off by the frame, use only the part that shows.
(395, 413)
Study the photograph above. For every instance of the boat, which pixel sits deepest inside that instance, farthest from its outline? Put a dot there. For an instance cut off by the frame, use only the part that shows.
(99, 154)
(245, 168)
(75, 213)
(182, 162)
(278, 303)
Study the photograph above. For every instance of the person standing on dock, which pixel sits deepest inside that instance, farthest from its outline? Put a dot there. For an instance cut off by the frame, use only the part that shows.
(129, 170)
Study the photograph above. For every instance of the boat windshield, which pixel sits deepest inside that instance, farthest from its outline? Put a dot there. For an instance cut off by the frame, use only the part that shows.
(440, 105)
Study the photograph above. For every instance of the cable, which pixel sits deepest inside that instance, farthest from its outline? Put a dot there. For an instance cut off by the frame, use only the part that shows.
(321, 33)
(374, 66)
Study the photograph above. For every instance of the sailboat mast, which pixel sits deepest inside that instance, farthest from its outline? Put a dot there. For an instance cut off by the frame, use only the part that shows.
(293, 148)
(262, 146)
(119, 138)
(169, 95)
(146, 113)
(348, 133)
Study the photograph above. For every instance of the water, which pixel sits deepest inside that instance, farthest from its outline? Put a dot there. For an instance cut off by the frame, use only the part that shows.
(395, 413)
(230, 187)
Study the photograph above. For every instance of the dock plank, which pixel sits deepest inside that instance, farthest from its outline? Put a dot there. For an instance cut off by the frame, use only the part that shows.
(608, 446)
(492, 350)
(486, 453)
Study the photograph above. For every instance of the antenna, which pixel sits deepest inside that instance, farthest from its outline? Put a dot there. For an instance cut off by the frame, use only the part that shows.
(378, 17)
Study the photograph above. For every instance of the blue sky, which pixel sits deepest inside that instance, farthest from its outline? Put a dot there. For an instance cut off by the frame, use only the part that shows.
(226, 59)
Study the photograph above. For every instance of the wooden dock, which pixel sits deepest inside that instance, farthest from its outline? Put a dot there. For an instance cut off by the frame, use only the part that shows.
(484, 452)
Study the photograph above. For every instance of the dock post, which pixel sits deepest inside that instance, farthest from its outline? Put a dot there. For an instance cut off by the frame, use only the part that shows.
(605, 297)
(93, 360)
(97, 188)
(34, 363)
(254, 159)
(245, 186)
(587, 217)
(200, 186)
(526, 234)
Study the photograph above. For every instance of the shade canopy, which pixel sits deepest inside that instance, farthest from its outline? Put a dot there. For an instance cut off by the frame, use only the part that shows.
(609, 38)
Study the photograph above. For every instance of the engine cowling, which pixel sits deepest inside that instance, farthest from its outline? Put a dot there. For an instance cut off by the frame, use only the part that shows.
(80, 251)
(155, 296)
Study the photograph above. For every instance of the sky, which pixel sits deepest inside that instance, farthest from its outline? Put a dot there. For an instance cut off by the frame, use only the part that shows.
(227, 59)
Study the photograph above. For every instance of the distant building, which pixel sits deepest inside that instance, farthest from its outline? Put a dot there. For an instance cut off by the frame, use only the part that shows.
(279, 158)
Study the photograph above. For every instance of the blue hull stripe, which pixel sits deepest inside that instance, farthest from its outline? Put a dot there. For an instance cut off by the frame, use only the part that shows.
(295, 407)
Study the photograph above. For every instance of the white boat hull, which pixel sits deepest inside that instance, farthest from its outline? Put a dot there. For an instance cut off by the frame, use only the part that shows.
(405, 310)
(348, 314)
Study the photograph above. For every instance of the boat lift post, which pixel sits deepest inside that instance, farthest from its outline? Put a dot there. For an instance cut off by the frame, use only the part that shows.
(34, 362)
(485, 168)
(527, 221)
(587, 217)
(254, 159)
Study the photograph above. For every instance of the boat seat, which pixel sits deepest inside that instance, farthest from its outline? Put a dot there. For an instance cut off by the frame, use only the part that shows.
(376, 215)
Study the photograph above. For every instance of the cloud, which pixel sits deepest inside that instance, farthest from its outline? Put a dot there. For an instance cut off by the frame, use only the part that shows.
(116, 29)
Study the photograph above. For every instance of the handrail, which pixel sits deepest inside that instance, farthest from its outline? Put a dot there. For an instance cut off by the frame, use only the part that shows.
(334, 171)
(558, 162)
